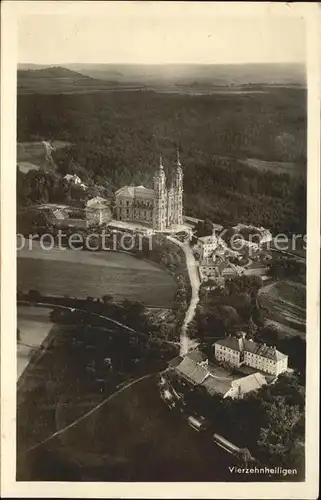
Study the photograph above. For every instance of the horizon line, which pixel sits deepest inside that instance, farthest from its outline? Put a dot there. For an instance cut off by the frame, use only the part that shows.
(298, 63)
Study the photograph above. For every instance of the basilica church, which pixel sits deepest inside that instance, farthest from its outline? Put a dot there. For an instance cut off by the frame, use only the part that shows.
(161, 207)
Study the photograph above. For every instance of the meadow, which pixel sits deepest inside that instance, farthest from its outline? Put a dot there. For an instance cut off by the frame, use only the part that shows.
(81, 274)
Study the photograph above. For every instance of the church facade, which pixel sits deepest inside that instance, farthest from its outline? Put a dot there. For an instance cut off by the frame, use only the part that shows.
(161, 207)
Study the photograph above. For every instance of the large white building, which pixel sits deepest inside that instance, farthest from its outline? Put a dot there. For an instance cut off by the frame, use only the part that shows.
(240, 351)
(160, 207)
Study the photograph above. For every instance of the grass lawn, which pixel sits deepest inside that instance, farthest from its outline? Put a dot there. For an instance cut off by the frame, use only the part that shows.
(80, 274)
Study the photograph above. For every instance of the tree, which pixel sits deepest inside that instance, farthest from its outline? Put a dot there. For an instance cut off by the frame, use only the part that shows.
(251, 329)
(269, 335)
(107, 299)
(34, 295)
(288, 386)
(204, 228)
(296, 458)
(295, 348)
(228, 235)
(276, 436)
(134, 314)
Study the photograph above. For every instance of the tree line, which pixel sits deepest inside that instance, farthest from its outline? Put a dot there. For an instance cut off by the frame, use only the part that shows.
(116, 140)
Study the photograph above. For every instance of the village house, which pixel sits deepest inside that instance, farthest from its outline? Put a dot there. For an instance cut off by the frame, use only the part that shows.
(206, 246)
(98, 211)
(74, 179)
(220, 269)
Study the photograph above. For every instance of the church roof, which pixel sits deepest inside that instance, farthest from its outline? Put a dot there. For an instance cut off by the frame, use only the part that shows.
(135, 192)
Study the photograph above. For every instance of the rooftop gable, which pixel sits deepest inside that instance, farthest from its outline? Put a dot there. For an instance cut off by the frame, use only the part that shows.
(96, 199)
(250, 383)
(190, 369)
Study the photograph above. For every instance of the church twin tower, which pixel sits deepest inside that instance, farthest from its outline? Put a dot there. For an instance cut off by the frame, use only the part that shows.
(161, 207)
(168, 201)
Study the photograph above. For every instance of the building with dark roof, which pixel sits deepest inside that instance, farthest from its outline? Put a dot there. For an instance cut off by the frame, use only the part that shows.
(192, 371)
(239, 351)
(196, 371)
(236, 388)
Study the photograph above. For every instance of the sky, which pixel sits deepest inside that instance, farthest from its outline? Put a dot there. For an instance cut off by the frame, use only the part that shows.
(143, 35)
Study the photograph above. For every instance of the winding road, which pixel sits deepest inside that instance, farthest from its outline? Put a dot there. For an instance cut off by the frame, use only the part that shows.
(186, 343)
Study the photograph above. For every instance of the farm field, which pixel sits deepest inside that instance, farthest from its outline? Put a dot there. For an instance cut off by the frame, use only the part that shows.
(277, 167)
(293, 169)
(81, 274)
(285, 305)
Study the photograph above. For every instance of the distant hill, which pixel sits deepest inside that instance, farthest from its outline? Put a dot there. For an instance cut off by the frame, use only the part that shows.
(57, 79)
(214, 74)
(168, 77)
(51, 72)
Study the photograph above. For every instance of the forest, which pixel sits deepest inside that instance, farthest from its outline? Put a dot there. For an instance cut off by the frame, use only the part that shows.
(117, 137)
